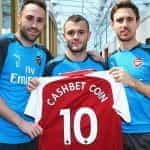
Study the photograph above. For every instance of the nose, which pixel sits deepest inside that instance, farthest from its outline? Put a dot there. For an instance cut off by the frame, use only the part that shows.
(76, 35)
(125, 22)
(34, 23)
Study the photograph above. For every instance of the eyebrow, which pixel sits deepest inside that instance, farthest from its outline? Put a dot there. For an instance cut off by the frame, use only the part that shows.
(76, 30)
(122, 18)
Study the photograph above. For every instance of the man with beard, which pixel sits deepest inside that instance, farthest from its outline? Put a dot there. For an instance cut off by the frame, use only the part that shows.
(76, 35)
(131, 66)
(24, 60)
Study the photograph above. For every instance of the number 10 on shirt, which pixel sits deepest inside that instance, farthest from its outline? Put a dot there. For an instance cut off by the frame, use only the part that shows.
(76, 122)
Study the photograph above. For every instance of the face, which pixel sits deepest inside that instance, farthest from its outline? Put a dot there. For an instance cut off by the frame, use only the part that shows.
(31, 22)
(125, 24)
(76, 35)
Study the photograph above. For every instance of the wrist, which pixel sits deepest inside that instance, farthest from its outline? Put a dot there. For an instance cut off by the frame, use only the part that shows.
(134, 83)
(19, 122)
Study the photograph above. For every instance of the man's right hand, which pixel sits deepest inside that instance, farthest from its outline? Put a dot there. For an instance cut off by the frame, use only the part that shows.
(32, 84)
(30, 128)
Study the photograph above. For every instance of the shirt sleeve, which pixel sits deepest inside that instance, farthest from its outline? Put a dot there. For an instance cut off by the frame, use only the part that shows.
(34, 105)
(120, 102)
(35, 102)
(119, 96)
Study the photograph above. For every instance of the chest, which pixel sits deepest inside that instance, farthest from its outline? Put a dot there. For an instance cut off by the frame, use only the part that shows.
(23, 60)
(135, 63)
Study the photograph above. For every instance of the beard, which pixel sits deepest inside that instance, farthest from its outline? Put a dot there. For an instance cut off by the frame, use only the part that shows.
(25, 36)
(79, 50)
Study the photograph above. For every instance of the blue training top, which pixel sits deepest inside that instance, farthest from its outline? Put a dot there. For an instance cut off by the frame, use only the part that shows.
(63, 64)
(21, 64)
(137, 63)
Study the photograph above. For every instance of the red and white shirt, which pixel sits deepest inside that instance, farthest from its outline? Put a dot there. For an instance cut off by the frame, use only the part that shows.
(79, 112)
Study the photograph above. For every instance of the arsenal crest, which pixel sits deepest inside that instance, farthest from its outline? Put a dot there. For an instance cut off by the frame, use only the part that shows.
(38, 60)
(138, 62)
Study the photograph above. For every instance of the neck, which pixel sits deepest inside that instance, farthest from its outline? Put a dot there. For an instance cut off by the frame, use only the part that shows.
(74, 56)
(23, 40)
(128, 44)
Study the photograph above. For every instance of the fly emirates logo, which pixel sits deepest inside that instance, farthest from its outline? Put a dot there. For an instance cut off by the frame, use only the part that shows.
(76, 86)
(16, 78)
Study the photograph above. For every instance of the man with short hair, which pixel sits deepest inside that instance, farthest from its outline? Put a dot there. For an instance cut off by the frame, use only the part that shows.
(131, 66)
(76, 35)
(24, 59)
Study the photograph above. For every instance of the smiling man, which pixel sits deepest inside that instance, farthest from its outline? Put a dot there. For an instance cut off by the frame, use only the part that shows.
(24, 60)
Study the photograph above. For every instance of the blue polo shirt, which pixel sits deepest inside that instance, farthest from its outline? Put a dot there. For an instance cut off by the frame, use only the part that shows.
(63, 64)
(136, 62)
(21, 64)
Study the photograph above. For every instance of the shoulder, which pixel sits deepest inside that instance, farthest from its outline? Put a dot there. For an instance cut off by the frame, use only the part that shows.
(99, 63)
(91, 58)
(56, 60)
(4, 42)
(144, 46)
(53, 63)
(7, 38)
(113, 53)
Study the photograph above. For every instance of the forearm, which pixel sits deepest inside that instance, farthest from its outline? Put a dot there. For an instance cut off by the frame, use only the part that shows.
(141, 87)
(30, 128)
(9, 114)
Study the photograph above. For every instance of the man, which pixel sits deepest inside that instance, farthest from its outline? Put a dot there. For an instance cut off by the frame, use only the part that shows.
(131, 66)
(76, 35)
(24, 60)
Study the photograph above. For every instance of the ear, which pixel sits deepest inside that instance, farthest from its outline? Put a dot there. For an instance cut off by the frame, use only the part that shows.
(89, 35)
(112, 24)
(64, 37)
(138, 23)
(19, 18)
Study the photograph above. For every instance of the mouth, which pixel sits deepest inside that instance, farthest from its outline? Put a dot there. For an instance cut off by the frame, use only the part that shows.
(76, 43)
(33, 32)
(124, 32)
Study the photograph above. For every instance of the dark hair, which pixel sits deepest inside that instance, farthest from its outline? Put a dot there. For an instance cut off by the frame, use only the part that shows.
(77, 18)
(40, 3)
(125, 4)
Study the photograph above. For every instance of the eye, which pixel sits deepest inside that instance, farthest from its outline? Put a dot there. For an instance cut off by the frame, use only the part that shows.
(130, 19)
(81, 32)
(29, 17)
(119, 20)
(40, 20)
(71, 32)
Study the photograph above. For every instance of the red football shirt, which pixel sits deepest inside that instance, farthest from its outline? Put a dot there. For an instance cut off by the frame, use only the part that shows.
(79, 112)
